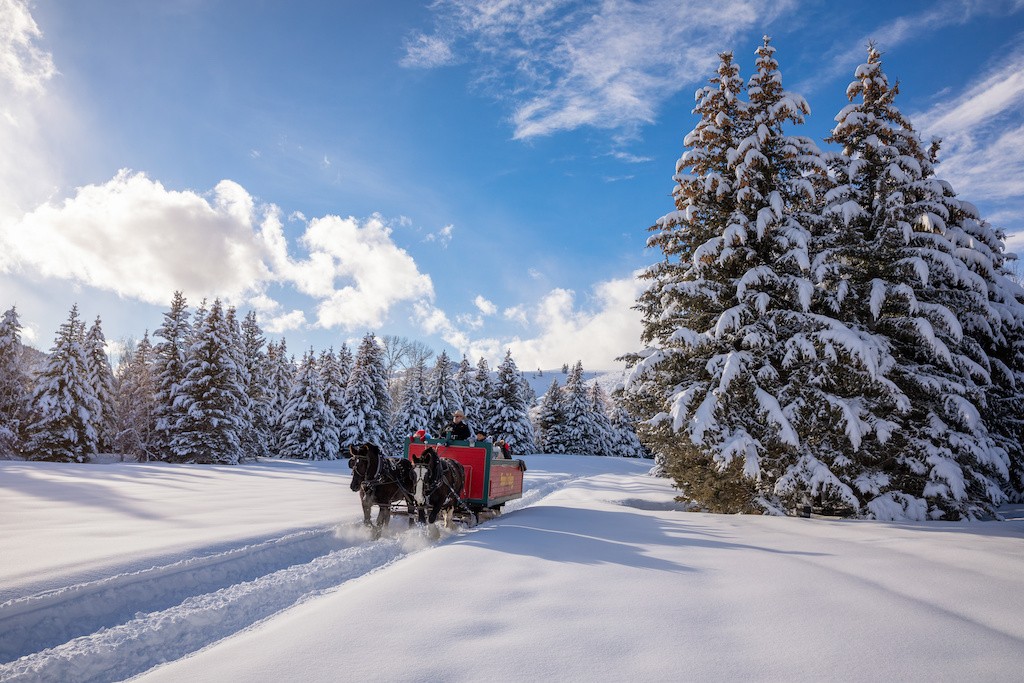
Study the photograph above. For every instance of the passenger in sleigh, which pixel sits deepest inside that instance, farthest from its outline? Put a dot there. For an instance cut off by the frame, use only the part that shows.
(420, 436)
(457, 429)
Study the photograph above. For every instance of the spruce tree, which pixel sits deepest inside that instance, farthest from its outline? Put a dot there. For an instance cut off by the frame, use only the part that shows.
(733, 291)
(551, 421)
(64, 406)
(601, 435)
(367, 398)
(335, 382)
(281, 374)
(209, 429)
(910, 395)
(477, 394)
(578, 414)
(136, 405)
(625, 442)
(259, 440)
(169, 371)
(511, 417)
(309, 425)
(443, 396)
(101, 377)
(411, 415)
(14, 396)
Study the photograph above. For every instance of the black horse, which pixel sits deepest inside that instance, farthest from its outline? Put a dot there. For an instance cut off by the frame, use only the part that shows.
(437, 484)
(380, 481)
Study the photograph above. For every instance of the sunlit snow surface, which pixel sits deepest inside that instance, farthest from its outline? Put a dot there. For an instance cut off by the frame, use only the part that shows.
(263, 572)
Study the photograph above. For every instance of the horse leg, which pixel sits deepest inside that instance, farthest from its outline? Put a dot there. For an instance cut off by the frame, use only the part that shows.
(367, 504)
(383, 517)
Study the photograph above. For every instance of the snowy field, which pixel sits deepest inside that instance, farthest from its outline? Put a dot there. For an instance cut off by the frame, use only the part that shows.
(262, 573)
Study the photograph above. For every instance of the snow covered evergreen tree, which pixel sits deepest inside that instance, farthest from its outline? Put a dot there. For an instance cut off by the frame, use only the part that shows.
(14, 395)
(443, 397)
(309, 425)
(251, 446)
(209, 429)
(335, 382)
(511, 417)
(281, 373)
(601, 437)
(101, 377)
(259, 440)
(579, 427)
(169, 371)
(550, 421)
(625, 442)
(136, 388)
(477, 394)
(367, 398)
(64, 407)
(910, 395)
(411, 415)
(733, 291)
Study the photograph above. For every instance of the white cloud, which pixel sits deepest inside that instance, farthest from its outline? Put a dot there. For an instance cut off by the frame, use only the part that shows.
(32, 125)
(442, 236)
(577, 64)
(134, 237)
(937, 15)
(596, 335)
(427, 52)
(484, 306)
(565, 332)
(516, 314)
(983, 133)
(23, 63)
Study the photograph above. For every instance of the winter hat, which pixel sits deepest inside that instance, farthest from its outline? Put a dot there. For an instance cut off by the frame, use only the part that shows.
(421, 433)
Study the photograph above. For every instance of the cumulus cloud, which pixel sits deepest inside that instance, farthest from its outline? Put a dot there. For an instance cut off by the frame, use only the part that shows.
(133, 236)
(24, 64)
(596, 334)
(484, 306)
(577, 64)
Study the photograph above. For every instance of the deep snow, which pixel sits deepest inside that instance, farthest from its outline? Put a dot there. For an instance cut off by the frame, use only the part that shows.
(262, 573)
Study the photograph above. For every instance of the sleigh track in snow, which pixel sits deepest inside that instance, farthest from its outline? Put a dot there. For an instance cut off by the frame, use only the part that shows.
(125, 624)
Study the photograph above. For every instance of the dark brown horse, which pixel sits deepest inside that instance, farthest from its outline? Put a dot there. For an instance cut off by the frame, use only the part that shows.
(380, 481)
(437, 484)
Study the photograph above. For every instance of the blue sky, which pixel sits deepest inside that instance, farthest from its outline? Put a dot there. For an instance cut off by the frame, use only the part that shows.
(478, 176)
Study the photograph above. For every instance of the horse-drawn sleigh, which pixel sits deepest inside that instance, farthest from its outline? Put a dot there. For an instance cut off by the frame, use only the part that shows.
(451, 480)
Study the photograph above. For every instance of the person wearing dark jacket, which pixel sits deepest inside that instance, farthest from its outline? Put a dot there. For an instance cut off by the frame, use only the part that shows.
(457, 429)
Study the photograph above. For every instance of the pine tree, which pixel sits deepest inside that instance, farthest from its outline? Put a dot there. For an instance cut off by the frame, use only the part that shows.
(135, 399)
(601, 436)
(169, 372)
(367, 398)
(625, 442)
(477, 393)
(550, 421)
(64, 406)
(511, 417)
(443, 397)
(726, 309)
(411, 415)
(210, 427)
(910, 393)
(309, 424)
(281, 373)
(335, 382)
(101, 378)
(259, 438)
(14, 396)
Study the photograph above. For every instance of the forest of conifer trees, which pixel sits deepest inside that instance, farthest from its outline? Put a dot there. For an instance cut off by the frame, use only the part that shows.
(209, 388)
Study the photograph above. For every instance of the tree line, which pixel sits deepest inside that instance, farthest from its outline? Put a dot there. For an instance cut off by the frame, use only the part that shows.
(210, 388)
(830, 329)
